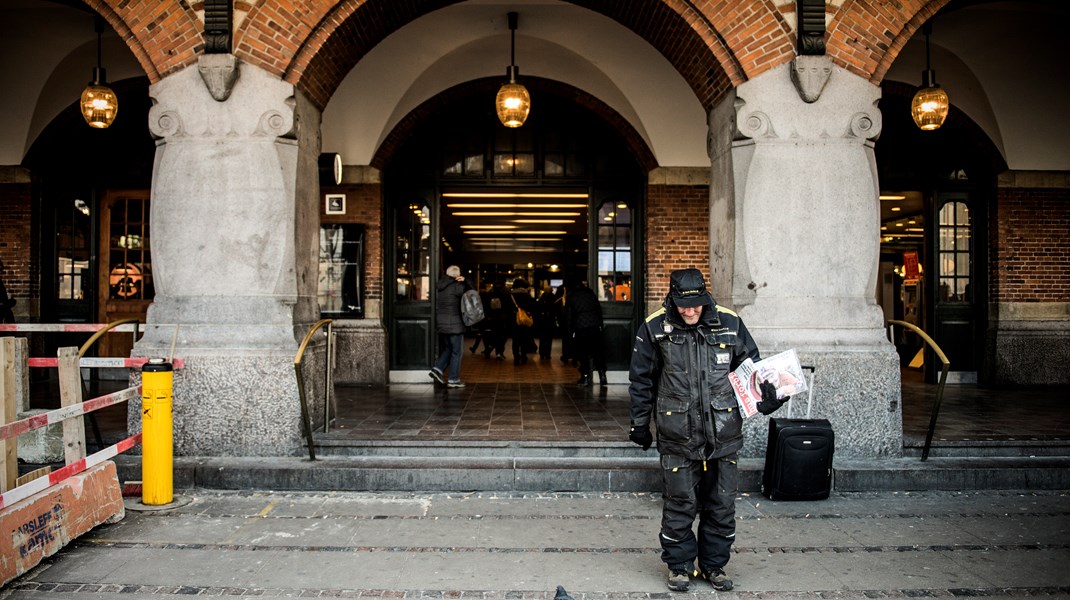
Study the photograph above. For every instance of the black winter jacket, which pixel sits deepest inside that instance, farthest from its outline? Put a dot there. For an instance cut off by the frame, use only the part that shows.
(583, 308)
(681, 372)
(448, 305)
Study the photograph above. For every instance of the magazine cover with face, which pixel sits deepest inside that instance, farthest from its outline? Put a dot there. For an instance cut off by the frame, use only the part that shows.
(782, 370)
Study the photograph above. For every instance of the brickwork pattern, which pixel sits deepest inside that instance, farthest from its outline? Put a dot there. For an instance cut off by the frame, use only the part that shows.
(1030, 259)
(715, 45)
(364, 205)
(19, 272)
(677, 234)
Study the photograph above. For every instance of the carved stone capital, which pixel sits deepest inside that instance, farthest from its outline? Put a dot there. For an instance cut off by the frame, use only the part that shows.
(219, 72)
(843, 106)
(810, 74)
(257, 104)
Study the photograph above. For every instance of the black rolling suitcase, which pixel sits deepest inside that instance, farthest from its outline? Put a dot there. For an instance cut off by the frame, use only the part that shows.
(798, 458)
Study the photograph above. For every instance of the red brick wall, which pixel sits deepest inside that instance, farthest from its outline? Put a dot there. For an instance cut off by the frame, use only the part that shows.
(715, 45)
(677, 234)
(1030, 249)
(18, 275)
(364, 205)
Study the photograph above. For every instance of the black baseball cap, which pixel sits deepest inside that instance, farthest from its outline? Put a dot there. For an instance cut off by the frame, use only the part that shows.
(687, 288)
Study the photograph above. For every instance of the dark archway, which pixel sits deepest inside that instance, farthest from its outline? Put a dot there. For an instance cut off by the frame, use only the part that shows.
(949, 178)
(588, 165)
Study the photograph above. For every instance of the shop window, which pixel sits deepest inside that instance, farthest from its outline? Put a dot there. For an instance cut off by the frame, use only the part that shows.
(412, 252)
(615, 251)
(341, 271)
(954, 253)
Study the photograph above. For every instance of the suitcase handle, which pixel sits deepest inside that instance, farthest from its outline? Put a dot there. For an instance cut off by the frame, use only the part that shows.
(809, 392)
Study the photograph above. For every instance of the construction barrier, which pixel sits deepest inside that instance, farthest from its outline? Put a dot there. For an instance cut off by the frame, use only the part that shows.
(42, 524)
(63, 327)
(40, 516)
(103, 362)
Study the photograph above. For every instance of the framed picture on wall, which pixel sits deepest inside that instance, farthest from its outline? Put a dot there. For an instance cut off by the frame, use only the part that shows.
(336, 204)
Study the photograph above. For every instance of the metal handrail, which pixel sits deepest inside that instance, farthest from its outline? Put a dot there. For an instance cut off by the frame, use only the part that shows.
(100, 333)
(85, 348)
(939, 388)
(305, 418)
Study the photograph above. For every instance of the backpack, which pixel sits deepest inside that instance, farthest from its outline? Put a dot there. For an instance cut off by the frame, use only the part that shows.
(471, 308)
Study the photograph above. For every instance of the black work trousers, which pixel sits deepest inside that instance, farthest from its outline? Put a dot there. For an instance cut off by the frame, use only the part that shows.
(706, 489)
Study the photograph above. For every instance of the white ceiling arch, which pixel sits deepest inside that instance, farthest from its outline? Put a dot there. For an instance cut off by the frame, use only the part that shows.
(555, 40)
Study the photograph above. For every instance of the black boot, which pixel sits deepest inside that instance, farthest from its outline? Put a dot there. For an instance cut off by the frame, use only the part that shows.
(584, 379)
(602, 378)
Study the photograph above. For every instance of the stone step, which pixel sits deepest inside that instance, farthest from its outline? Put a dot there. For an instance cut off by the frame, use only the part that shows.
(988, 448)
(520, 472)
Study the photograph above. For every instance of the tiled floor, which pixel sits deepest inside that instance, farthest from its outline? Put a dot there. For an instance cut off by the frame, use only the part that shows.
(501, 401)
(539, 401)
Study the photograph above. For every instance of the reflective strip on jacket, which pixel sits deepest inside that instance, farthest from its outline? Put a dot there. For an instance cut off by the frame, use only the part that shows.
(681, 371)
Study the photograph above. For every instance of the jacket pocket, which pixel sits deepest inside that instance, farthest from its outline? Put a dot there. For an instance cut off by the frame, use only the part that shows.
(726, 417)
(673, 420)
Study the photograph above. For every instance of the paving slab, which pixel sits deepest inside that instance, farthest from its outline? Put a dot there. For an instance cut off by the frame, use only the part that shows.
(600, 546)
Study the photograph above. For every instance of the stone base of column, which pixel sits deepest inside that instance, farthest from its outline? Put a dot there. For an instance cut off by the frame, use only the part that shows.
(1012, 357)
(234, 403)
(858, 391)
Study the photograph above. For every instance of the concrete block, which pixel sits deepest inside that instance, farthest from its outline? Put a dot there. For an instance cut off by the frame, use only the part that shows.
(42, 524)
(41, 446)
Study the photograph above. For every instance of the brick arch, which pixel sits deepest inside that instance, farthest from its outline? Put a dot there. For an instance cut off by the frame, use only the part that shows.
(164, 36)
(488, 86)
(316, 48)
(866, 37)
(714, 49)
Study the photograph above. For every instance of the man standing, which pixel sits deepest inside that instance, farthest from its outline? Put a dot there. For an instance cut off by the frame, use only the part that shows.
(680, 364)
(585, 319)
(450, 327)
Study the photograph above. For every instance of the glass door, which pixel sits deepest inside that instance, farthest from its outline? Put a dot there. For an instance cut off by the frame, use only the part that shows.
(411, 326)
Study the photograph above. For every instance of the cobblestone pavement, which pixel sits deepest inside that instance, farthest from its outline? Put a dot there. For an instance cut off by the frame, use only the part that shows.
(518, 546)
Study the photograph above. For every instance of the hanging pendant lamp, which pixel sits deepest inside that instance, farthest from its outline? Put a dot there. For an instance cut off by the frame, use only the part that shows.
(929, 107)
(513, 101)
(99, 103)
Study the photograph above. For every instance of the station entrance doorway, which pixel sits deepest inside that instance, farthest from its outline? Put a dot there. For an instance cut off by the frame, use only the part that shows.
(560, 197)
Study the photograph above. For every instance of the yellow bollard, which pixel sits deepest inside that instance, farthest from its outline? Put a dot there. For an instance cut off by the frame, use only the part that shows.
(157, 444)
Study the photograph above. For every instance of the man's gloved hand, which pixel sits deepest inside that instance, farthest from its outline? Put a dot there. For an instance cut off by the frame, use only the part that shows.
(769, 401)
(641, 436)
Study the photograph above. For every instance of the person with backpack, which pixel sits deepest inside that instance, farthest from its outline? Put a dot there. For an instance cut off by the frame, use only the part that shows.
(449, 324)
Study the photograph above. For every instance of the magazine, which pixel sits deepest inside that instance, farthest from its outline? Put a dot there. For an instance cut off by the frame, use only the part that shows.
(782, 370)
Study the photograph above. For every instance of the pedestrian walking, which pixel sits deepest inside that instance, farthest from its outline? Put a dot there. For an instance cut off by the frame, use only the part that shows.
(546, 322)
(585, 320)
(682, 355)
(450, 327)
(523, 337)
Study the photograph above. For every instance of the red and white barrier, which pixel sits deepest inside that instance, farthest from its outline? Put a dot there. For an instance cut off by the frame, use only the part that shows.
(64, 327)
(56, 416)
(103, 362)
(30, 488)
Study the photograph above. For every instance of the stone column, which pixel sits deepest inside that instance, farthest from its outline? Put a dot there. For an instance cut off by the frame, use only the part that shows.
(807, 242)
(233, 237)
